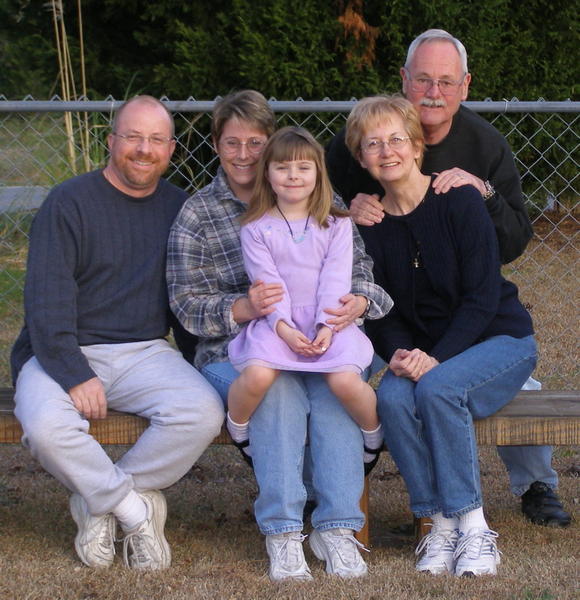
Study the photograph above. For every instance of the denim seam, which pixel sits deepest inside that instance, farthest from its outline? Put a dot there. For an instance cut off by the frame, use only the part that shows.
(356, 525)
(278, 530)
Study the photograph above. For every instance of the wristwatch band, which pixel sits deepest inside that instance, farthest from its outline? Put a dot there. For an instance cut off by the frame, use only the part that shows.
(489, 191)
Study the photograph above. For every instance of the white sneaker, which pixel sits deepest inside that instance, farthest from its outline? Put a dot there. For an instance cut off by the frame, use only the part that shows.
(145, 547)
(287, 556)
(95, 539)
(339, 548)
(477, 553)
(437, 551)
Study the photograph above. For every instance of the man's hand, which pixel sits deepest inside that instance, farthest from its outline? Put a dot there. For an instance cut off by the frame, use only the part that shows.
(456, 177)
(366, 209)
(89, 398)
(296, 340)
(352, 308)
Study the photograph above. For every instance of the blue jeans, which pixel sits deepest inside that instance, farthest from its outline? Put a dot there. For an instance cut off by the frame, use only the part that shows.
(297, 405)
(429, 424)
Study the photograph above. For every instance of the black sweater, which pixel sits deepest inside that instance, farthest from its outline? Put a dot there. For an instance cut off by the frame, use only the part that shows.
(95, 273)
(473, 145)
(457, 297)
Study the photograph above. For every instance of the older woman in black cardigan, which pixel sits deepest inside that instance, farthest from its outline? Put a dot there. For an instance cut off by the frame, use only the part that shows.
(459, 343)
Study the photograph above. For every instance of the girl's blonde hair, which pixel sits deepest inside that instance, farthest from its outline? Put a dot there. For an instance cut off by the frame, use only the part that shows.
(293, 143)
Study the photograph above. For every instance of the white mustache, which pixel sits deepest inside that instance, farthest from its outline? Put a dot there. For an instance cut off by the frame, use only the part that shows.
(433, 103)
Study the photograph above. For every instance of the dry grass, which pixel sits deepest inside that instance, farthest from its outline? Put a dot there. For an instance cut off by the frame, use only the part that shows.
(219, 553)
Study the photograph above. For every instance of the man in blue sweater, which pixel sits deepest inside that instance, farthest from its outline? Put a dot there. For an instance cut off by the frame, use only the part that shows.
(462, 148)
(96, 318)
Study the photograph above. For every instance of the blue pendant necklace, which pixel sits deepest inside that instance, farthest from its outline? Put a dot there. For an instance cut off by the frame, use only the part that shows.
(299, 239)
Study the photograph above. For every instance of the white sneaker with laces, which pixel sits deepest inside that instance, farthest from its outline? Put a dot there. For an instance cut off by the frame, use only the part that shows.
(339, 548)
(437, 551)
(477, 553)
(287, 556)
(145, 547)
(95, 539)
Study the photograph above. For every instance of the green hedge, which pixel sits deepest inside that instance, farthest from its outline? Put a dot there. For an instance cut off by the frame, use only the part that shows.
(289, 48)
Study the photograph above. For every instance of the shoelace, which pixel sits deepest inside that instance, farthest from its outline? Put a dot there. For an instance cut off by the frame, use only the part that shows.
(435, 541)
(345, 547)
(478, 544)
(289, 551)
(143, 550)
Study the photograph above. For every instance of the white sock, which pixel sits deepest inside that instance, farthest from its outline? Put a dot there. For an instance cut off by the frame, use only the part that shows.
(372, 440)
(441, 522)
(240, 432)
(131, 511)
(474, 518)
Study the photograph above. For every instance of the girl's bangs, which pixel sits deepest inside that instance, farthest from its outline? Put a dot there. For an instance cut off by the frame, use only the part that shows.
(292, 148)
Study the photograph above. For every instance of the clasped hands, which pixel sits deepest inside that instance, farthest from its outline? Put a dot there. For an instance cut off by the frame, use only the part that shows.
(412, 364)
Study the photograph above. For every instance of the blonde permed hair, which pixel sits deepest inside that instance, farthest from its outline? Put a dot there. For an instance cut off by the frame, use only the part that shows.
(375, 110)
(287, 144)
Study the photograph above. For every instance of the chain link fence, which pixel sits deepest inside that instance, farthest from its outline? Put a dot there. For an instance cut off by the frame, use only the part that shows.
(44, 142)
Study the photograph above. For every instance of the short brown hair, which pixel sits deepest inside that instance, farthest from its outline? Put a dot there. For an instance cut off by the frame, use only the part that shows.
(377, 109)
(247, 106)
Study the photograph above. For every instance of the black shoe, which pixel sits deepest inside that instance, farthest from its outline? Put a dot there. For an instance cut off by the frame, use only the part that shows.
(240, 446)
(542, 506)
(376, 452)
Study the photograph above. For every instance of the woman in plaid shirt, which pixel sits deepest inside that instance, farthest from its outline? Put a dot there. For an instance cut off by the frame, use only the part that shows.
(212, 297)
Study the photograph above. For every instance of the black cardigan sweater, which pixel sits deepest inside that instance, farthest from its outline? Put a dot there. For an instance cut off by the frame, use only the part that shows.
(462, 298)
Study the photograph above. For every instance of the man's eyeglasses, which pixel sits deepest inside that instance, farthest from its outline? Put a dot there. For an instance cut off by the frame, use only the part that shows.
(233, 145)
(448, 87)
(135, 139)
(374, 145)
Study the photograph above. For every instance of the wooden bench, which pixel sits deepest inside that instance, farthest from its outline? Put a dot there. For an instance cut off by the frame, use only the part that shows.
(531, 418)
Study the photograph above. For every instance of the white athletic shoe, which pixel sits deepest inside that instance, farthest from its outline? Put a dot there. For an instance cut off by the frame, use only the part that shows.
(145, 547)
(339, 548)
(437, 551)
(477, 553)
(287, 556)
(95, 539)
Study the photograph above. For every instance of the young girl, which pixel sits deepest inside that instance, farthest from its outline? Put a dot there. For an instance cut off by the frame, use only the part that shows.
(292, 234)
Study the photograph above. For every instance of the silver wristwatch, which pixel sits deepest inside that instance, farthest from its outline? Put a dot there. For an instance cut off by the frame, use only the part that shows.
(489, 191)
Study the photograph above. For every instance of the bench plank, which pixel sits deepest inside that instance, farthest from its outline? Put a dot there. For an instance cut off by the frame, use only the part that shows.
(531, 418)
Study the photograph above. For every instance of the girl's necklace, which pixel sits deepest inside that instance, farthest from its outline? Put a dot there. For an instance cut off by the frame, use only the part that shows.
(298, 239)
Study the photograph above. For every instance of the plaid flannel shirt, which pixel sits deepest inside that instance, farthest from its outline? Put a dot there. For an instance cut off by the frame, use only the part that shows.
(206, 274)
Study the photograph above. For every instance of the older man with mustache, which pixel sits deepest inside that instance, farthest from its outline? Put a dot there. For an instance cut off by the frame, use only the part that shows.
(461, 148)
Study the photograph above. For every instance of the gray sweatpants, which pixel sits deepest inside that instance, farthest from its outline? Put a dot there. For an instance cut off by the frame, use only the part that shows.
(150, 379)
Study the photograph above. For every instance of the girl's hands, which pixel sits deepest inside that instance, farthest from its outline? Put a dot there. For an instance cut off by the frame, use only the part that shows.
(298, 342)
(322, 340)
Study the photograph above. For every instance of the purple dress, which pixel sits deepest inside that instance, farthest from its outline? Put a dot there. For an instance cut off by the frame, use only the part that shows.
(315, 271)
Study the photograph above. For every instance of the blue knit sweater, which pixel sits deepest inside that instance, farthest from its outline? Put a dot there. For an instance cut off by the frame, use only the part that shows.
(95, 273)
(457, 297)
